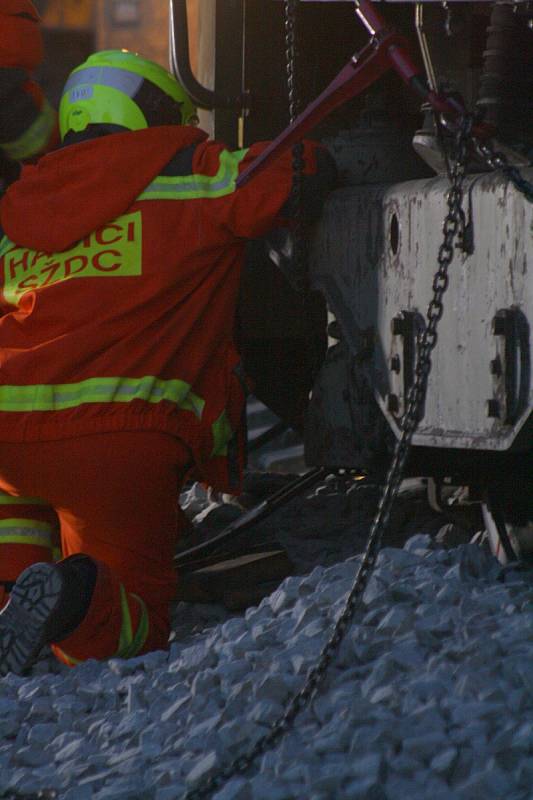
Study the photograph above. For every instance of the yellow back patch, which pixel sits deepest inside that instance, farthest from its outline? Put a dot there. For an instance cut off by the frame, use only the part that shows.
(114, 250)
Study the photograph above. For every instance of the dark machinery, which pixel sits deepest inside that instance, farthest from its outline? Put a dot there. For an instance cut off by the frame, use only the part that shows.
(374, 254)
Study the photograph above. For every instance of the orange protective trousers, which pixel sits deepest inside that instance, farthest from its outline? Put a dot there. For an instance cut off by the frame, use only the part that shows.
(113, 497)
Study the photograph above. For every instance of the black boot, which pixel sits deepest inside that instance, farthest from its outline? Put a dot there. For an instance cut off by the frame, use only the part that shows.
(47, 603)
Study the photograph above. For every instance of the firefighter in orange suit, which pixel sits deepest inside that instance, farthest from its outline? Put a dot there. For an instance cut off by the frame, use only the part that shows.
(28, 124)
(120, 262)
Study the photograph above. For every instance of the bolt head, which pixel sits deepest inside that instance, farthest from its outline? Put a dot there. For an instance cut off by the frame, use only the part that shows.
(499, 326)
(496, 366)
(395, 363)
(493, 408)
(397, 326)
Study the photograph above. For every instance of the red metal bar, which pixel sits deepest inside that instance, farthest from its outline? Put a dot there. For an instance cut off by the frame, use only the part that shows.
(356, 76)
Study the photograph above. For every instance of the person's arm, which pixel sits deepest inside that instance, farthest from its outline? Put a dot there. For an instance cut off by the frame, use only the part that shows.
(28, 124)
(267, 200)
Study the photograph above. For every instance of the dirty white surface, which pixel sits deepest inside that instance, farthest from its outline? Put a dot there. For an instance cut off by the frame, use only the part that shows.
(430, 696)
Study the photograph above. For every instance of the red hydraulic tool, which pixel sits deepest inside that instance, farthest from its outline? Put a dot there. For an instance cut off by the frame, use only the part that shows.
(387, 49)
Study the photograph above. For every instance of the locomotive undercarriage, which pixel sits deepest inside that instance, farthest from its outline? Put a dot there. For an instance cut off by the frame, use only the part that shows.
(375, 253)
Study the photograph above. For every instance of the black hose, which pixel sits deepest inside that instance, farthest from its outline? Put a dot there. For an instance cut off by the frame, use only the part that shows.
(506, 85)
(250, 518)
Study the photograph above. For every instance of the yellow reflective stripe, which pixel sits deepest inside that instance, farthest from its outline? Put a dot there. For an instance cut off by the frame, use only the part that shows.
(35, 138)
(10, 500)
(222, 433)
(26, 532)
(71, 661)
(129, 645)
(142, 630)
(57, 554)
(100, 390)
(32, 524)
(25, 539)
(193, 187)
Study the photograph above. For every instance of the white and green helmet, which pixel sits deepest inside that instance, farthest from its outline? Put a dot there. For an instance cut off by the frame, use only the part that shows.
(118, 87)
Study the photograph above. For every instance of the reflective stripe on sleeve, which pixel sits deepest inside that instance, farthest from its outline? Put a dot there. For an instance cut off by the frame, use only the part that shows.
(191, 187)
(48, 397)
(129, 643)
(26, 531)
(222, 433)
(35, 138)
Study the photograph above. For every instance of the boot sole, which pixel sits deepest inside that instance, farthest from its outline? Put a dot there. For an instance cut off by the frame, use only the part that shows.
(24, 620)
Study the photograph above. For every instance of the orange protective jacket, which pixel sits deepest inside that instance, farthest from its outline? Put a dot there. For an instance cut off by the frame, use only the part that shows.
(28, 124)
(119, 269)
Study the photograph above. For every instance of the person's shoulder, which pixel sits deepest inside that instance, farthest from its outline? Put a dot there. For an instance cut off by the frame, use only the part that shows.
(182, 162)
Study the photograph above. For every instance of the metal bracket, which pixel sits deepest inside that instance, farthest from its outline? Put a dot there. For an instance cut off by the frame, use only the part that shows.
(511, 367)
(405, 328)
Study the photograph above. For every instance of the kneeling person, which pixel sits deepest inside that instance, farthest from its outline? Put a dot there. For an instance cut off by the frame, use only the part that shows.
(121, 255)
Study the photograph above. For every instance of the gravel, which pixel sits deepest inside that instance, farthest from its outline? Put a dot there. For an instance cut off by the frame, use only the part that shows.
(430, 695)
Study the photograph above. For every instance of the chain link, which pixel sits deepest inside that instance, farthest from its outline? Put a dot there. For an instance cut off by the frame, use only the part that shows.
(290, 56)
(496, 160)
(426, 342)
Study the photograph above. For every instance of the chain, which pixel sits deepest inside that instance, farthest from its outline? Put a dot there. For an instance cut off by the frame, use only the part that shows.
(497, 160)
(298, 268)
(294, 100)
(426, 342)
(290, 56)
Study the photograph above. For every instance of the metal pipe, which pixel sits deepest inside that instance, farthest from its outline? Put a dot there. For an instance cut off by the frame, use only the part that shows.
(180, 63)
(424, 47)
